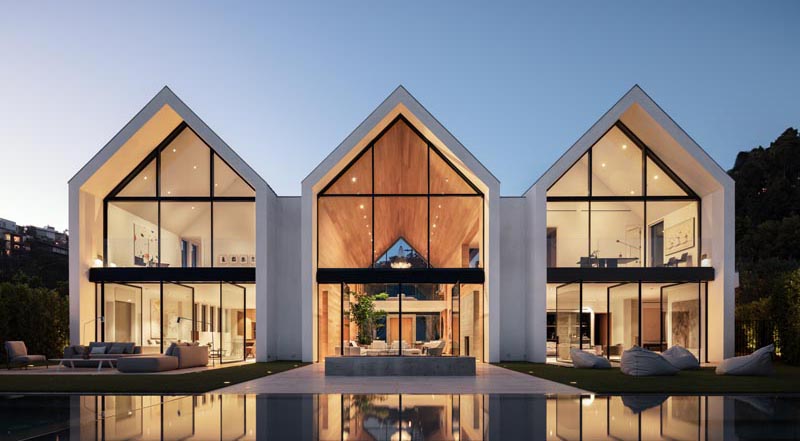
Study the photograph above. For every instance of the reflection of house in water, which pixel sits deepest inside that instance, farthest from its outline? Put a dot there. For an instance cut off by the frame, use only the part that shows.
(407, 417)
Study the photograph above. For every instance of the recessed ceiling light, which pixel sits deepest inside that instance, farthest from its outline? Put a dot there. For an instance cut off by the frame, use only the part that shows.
(174, 150)
(434, 225)
(194, 167)
(655, 177)
(440, 205)
(603, 165)
(354, 179)
(624, 146)
(169, 192)
(145, 178)
(633, 192)
(192, 207)
(365, 216)
(361, 206)
(446, 179)
(216, 185)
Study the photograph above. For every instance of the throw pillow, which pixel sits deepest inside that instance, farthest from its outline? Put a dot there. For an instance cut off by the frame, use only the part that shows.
(98, 350)
(117, 348)
(171, 349)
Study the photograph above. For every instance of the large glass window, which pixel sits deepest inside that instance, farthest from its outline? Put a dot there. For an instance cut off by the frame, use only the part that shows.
(132, 233)
(402, 192)
(607, 319)
(408, 319)
(170, 225)
(218, 315)
(639, 212)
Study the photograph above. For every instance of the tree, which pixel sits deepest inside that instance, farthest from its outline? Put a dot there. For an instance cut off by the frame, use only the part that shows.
(363, 313)
(38, 316)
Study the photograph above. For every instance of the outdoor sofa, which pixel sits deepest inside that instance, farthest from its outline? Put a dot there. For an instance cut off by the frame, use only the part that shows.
(177, 356)
(105, 350)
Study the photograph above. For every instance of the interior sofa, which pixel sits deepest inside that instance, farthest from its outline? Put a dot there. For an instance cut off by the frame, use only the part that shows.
(110, 350)
(177, 356)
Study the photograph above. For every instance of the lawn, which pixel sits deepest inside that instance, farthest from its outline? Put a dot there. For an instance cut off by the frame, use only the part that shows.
(703, 381)
(189, 383)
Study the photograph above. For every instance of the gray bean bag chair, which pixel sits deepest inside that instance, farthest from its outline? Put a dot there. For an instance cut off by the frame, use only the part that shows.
(585, 360)
(681, 358)
(640, 362)
(757, 363)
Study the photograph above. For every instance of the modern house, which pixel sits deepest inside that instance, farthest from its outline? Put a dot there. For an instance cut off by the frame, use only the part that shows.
(626, 240)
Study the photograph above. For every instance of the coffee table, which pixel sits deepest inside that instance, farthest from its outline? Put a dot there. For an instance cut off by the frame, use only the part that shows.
(72, 361)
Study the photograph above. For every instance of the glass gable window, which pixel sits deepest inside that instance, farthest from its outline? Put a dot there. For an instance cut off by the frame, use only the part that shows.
(400, 204)
(167, 213)
(620, 206)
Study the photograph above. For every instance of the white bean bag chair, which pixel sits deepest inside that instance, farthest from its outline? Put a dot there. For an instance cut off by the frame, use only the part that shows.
(757, 363)
(584, 360)
(640, 362)
(681, 358)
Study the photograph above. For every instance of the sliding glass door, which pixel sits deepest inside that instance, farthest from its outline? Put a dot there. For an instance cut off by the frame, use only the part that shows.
(680, 305)
(623, 322)
(232, 319)
(410, 319)
(568, 320)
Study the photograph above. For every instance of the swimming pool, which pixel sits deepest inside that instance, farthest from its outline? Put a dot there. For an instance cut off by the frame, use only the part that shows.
(399, 417)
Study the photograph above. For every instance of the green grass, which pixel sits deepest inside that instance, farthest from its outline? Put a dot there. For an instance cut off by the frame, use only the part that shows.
(189, 383)
(703, 381)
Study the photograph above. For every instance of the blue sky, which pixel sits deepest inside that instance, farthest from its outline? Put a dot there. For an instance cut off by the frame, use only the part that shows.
(283, 84)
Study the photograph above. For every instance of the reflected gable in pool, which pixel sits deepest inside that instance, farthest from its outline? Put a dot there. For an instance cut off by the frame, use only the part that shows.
(400, 417)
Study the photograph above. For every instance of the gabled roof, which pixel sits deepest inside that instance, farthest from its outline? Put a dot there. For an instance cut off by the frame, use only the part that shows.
(401, 101)
(162, 113)
(661, 134)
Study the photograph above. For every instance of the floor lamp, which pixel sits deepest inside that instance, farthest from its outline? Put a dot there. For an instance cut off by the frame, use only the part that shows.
(101, 319)
(212, 334)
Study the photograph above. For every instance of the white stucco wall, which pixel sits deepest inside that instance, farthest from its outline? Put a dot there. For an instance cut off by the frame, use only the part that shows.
(284, 319)
(513, 268)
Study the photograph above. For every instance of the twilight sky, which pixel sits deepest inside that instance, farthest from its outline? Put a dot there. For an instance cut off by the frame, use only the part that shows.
(284, 84)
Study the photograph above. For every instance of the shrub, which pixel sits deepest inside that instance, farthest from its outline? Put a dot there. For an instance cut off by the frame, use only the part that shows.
(786, 314)
(37, 316)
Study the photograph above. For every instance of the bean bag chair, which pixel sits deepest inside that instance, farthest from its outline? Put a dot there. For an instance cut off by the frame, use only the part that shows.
(585, 360)
(681, 358)
(640, 362)
(757, 363)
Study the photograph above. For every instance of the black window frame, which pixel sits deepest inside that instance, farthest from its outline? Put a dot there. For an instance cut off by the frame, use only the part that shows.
(155, 155)
(644, 198)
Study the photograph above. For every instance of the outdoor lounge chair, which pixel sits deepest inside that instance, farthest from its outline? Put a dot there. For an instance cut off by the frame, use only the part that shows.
(17, 353)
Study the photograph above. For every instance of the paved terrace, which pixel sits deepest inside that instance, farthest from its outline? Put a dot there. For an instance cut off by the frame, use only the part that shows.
(311, 379)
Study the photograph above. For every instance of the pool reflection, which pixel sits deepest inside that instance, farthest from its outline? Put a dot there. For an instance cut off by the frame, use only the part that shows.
(400, 417)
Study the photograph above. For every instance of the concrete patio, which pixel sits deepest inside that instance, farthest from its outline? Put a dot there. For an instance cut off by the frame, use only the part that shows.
(489, 379)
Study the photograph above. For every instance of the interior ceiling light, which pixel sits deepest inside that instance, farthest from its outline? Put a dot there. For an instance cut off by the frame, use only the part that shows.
(361, 206)
(603, 165)
(354, 179)
(174, 150)
(655, 177)
(624, 146)
(194, 167)
(633, 192)
(145, 178)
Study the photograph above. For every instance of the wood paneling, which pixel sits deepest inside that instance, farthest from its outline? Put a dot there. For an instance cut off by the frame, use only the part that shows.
(455, 228)
(405, 217)
(445, 180)
(357, 178)
(344, 232)
(401, 162)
